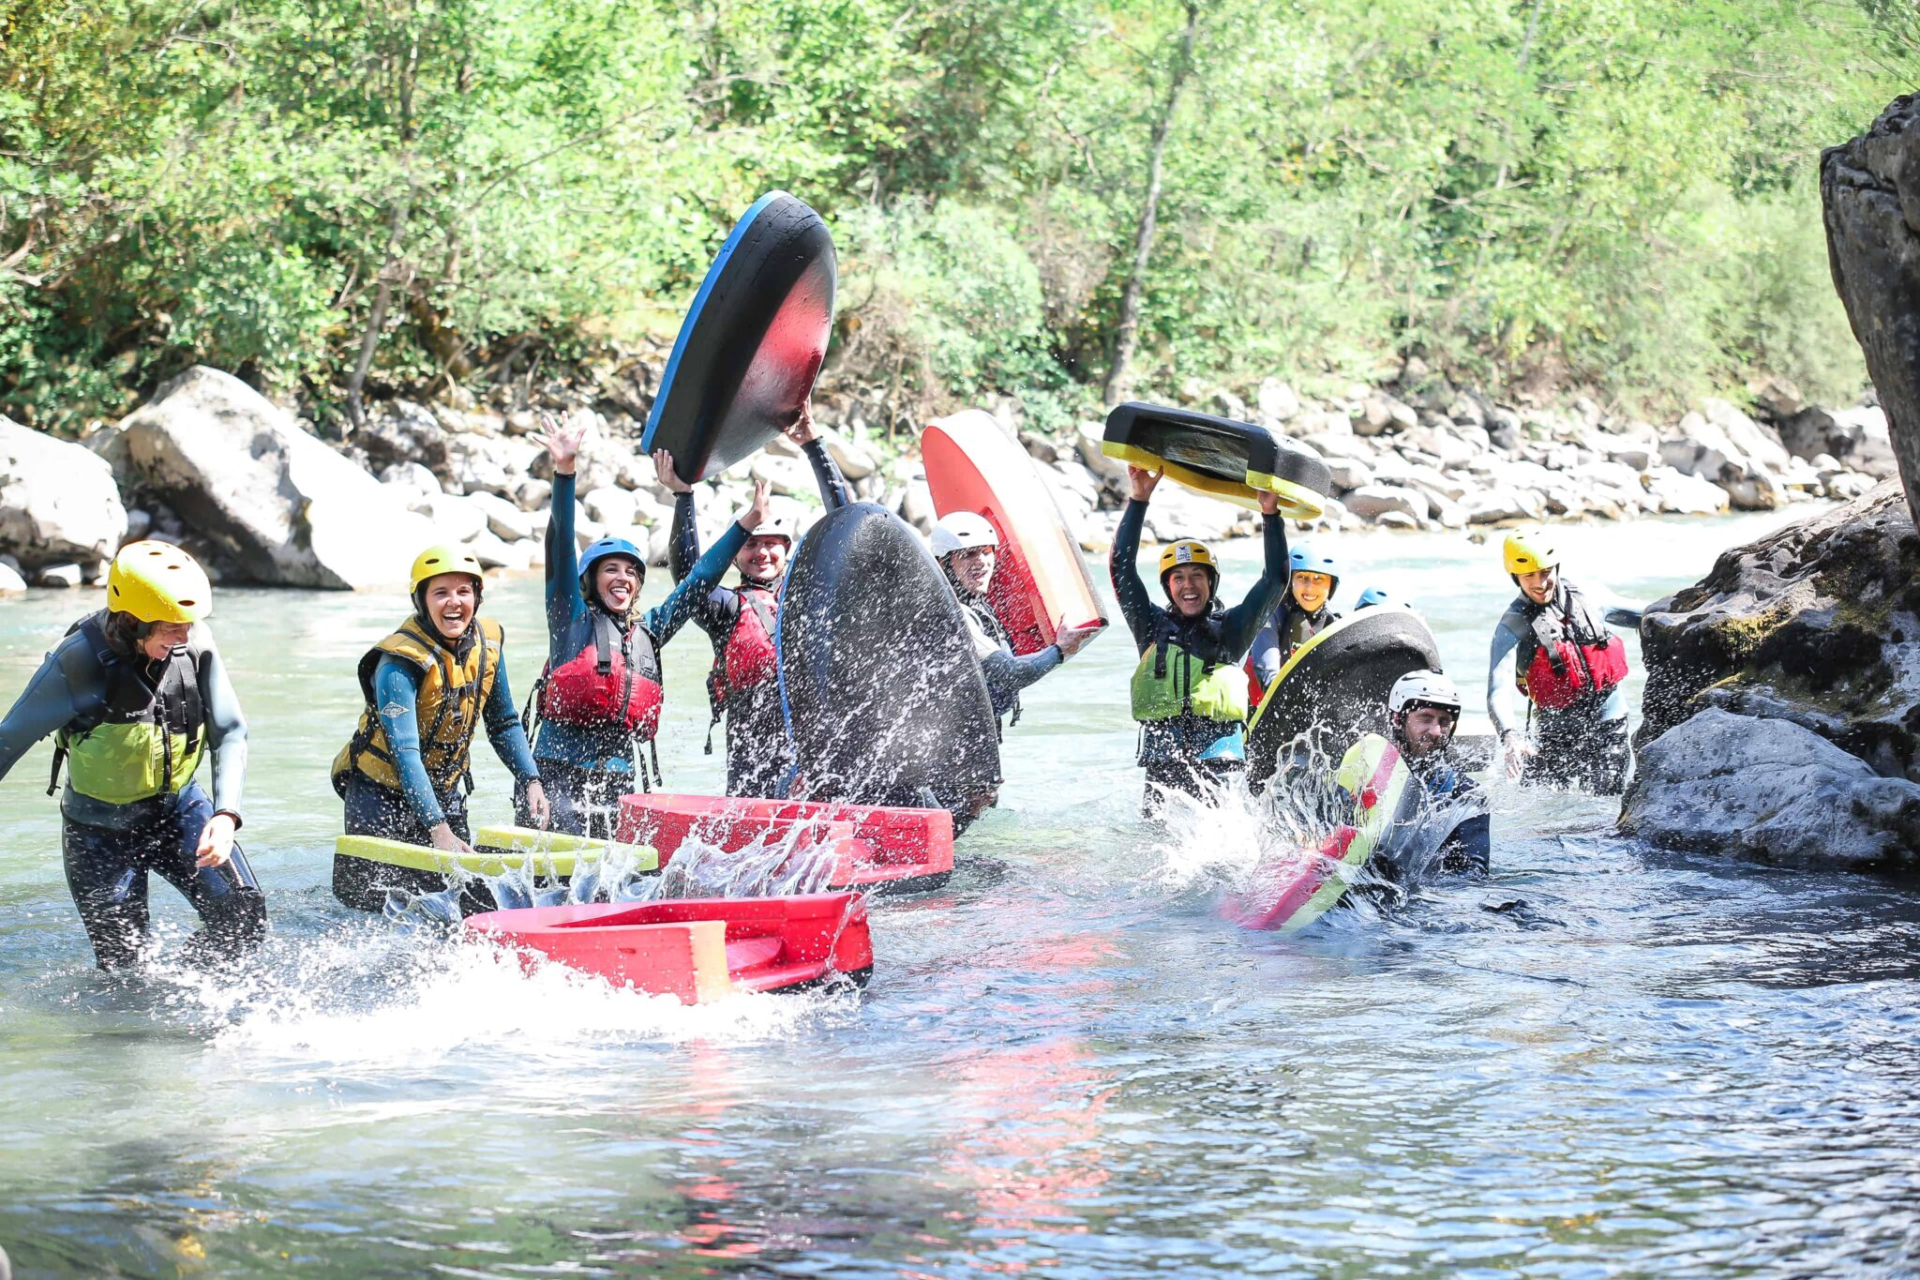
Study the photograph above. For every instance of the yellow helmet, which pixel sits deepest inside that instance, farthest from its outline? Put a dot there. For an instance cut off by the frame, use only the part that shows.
(1187, 551)
(158, 582)
(445, 558)
(1530, 550)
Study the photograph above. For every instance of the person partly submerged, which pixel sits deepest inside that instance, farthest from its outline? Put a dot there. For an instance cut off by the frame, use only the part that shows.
(1189, 694)
(428, 688)
(1553, 646)
(137, 696)
(1423, 710)
(598, 702)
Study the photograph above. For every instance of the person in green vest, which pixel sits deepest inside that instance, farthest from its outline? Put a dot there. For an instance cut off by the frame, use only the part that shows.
(136, 697)
(1189, 693)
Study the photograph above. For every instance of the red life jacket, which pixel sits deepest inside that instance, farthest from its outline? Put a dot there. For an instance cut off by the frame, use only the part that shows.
(612, 683)
(749, 658)
(1570, 655)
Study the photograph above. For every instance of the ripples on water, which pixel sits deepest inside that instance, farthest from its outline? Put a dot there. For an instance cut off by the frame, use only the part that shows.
(1603, 1060)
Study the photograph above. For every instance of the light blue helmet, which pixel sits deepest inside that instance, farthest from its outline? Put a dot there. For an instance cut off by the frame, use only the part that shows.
(1306, 558)
(1373, 596)
(599, 550)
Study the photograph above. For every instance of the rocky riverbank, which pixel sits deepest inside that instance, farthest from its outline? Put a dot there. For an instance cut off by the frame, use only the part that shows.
(255, 488)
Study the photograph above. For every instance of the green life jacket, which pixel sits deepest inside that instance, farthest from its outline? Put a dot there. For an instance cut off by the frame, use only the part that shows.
(141, 733)
(1170, 681)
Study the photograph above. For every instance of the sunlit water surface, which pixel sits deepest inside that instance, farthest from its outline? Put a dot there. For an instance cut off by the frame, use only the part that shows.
(1606, 1060)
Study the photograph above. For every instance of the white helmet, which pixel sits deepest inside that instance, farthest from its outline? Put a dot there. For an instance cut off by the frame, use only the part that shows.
(961, 530)
(782, 522)
(1428, 688)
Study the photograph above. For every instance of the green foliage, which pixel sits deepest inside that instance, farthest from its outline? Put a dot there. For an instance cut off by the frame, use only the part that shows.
(1612, 192)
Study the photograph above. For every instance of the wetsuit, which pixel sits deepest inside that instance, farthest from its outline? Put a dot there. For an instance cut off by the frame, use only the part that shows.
(1192, 660)
(110, 845)
(1583, 746)
(585, 769)
(1288, 627)
(1007, 673)
(759, 752)
(1451, 795)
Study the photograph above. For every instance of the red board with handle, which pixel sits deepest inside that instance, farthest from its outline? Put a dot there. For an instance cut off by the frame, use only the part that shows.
(1040, 583)
(696, 949)
(889, 850)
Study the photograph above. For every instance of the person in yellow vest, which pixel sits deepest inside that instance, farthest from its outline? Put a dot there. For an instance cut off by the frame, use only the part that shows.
(428, 687)
(1189, 692)
(136, 697)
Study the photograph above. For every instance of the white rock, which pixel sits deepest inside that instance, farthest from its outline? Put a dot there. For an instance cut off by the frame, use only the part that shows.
(533, 495)
(11, 583)
(58, 500)
(411, 478)
(1675, 492)
(494, 553)
(60, 575)
(787, 477)
(1370, 501)
(1465, 409)
(856, 462)
(1396, 520)
(1087, 444)
(505, 520)
(1498, 504)
(610, 505)
(1348, 473)
(281, 504)
(1752, 439)
(916, 507)
(1278, 402)
(455, 519)
(1330, 444)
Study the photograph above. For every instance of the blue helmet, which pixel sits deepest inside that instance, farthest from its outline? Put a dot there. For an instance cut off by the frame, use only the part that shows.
(1306, 558)
(602, 548)
(1373, 596)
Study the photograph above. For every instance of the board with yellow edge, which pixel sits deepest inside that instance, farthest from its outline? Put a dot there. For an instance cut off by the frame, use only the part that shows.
(365, 867)
(1288, 893)
(1234, 461)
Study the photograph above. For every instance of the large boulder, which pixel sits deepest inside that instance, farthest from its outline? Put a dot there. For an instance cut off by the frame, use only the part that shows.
(1769, 789)
(1870, 189)
(1817, 623)
(58, 501)
(279, 504)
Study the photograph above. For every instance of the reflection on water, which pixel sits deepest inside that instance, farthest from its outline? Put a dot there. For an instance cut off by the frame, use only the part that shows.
(1602, 1060)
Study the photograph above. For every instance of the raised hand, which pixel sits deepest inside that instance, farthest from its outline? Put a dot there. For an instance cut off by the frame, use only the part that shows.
(759, 509)
(562, 441)
(664, 472)
(1072, 640)
(1140, 482)
(801, 430)
(1269, 503)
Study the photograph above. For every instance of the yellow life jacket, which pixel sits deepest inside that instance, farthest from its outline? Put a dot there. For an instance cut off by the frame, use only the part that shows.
(1170, 681)
(451, 701)
(146, 734)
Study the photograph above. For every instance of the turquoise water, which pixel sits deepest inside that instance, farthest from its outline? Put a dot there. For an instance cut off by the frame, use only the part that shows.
(1607, 1060)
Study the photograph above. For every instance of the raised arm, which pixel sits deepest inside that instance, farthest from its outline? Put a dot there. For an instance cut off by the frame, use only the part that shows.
(667, 617)
(1136, 606)
(562, 442)
(1244, 619)
(834, 492)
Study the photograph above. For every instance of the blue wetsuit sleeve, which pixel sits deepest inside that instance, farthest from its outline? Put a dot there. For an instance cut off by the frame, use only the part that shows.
(1244, 619)
(504, 730)
(834, 492)
(226, 731)
(1501, 660)
(396, 687)
(683, 543)
(667, 617)
(1128, 590)
(46, 704)
(564, 603)
(1007, 674)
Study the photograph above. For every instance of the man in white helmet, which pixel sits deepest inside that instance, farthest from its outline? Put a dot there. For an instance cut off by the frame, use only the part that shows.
(967, 547)
(742, 622)
(1424, 709)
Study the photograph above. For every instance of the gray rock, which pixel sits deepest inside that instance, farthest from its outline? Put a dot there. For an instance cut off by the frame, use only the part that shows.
(1229, 405)
(505, 520)
(455, 519)
(1872, 203)
(60, 575)
(916, 506)
(1348, 473)
(11, 583)
(1396, 520)
(1382, 414)
(1371, 501)
(609, 505)
(1500, 504)
(1086, 441)
(1503, 428)
(1467, 410)
(411, 478)
(787, 477)
(856, 461)
(58, 500)
(401, 431)
(1771, 790)
(1675, 492)
(280, 504)
(1277, 401)
(533, 495)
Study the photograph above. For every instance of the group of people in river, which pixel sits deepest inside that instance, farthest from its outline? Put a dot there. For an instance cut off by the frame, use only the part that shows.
(136, 694)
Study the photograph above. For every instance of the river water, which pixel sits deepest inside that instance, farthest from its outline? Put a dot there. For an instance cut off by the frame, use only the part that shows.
(1606, 1060)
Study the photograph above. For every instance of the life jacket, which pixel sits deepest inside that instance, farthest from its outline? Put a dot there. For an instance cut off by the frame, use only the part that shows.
(449, 705)
(1170, 682)
(748, 658)
(144, 733)
(1293, 627)
(1568, 655)
(612, 684)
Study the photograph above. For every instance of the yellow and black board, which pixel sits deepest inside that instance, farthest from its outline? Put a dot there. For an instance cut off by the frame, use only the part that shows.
(1231, 460)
